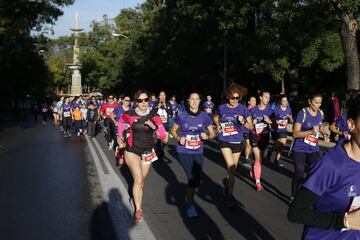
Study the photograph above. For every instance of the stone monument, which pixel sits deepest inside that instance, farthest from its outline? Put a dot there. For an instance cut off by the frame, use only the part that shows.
(76, 88)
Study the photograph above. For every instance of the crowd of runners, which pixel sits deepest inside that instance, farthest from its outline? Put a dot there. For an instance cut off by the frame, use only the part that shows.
(138, 128)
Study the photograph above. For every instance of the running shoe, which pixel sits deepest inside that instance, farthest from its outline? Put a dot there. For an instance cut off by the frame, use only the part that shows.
(78, 134)
(230, 202)
(138, 216)
(278, 163)
(259, 187)
(191, 212)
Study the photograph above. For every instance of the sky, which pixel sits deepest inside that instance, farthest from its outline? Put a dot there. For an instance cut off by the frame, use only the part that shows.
(89, 10)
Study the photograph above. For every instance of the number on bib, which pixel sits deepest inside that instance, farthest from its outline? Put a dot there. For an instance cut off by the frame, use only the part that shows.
(67, 114)
(149, 157)
(311, 139)
(228, 129)
(193, 141)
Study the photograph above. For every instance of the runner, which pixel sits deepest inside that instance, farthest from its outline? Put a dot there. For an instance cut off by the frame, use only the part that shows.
(307, 127)
(106, 113)
(139, 151)
(92, 118)
(340, 128)
(163, 109)
(77, 118)
(66, 117)
(208, 106)
(259, 135)
(44, 112)
(251, 103)
(193, 125)
(84, 111)
(55, 112)
(153, 101)
(229, 119)
(328, 203)
(117, 113)
(283, 116)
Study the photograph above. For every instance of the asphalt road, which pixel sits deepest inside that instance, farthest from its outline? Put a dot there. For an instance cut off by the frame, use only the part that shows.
(56, 188)
(48, 186)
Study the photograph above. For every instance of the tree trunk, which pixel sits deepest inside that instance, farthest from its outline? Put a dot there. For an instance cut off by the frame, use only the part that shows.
(348, 38)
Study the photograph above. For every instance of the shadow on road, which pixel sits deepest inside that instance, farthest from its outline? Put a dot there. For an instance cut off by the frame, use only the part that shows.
(242, 173)
(202, 227)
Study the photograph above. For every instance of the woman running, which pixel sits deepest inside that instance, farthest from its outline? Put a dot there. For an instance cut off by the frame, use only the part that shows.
(145, 127)
(229, 120)
(328, 203)
(307, 127)
(259, 135)
(283, 116)
(192, 126)
(251, 103)
(67, 117)
(340, 128)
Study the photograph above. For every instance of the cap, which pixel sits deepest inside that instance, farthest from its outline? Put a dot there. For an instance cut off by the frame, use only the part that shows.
(208, 97)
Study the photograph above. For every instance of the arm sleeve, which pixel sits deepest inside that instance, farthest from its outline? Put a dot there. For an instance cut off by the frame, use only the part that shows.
(121, 124)
(160, 131)
(301, 211)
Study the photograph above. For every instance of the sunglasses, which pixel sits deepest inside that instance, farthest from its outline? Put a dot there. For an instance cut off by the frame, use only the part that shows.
(235, 98)
(126, 100)
(140, 100)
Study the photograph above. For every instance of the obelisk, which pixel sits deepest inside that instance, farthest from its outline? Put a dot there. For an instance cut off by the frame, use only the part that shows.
(76, 88)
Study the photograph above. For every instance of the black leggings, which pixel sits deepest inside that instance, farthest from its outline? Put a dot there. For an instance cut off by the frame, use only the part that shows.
(109, 124)
(300, 160)
(67, 122)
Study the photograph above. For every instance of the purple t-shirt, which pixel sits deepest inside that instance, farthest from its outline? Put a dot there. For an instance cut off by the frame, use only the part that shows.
(191, 128)
(307, 144)
(66, 110)
(119, 111)
(335, 178)
(208, 107)
(282, 116)
(228, 119)
(258, 115)
(342, 125)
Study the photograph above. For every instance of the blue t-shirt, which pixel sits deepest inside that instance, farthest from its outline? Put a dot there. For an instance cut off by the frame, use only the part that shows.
(342, 125)
(66, 110)
(208, 107)
(232, 130)
(335, 178)
(260, 126)
(310, 143)
(119, 111)
(191, 128)
(282, 116)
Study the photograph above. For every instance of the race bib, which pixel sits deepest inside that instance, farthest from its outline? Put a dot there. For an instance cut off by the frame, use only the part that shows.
(109, 111)
(44, 110)
(280, 126)
(260, 127)
(163, 115)
(149, 157)
(67, 114)
(228, 129)
(208, 110)
(193, 141)
(311, 139)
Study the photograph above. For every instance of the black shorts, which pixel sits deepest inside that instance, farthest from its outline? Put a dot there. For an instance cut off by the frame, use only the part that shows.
(277, 135)
(246, 136)
(234, 147)
(260, 141)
